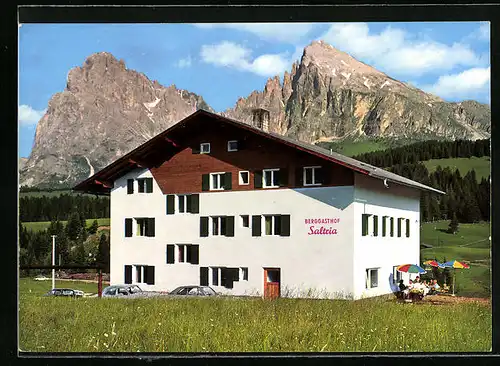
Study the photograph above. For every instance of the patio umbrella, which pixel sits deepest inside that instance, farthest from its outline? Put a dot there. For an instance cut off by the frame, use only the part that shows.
(455, 264)
(433, 263)
(410, 268)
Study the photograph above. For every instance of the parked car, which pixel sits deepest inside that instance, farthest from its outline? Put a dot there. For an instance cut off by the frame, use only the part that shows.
(121, 290)
(67, 292)
(193, 291)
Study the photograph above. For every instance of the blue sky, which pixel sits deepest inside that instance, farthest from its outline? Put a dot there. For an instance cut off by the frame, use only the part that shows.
(223, 62)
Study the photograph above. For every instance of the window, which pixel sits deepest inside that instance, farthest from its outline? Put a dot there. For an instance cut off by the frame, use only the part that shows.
(217, 181)
(407, 228)
(143, 274)
(312, 176)
(232, 145)
(145, 226)
(364, 224)
(396, 275)
(188, 253)
(372, 278)
(170, 253)
(218, 225)
(384, 225)
(215, 276)
(245, 221)
(145, 185)
(244, 273)
(392, 226)
(375, 225)
(244, 178)
(270, 177)
(399, 227)
(272, 224)
(205, 148)
(182, 202)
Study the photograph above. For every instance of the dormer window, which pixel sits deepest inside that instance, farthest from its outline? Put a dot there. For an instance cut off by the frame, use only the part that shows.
(205, 148)
(232, 145)
(312, 176)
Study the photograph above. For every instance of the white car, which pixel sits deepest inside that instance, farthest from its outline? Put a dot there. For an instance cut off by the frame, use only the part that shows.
(41, 278)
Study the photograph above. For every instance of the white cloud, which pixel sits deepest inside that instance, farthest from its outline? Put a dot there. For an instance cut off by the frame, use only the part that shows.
(183, 62)
(229, 54)
(393, 51)
(467, 84)
(484, 31)
(28, 115)
(281, 32)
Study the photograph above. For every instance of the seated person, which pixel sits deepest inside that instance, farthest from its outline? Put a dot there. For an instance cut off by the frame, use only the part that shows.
(445, 287)
(417, 279)
(402, 286)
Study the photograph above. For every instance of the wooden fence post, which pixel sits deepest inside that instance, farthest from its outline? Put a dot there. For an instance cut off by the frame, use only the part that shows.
(99, 284)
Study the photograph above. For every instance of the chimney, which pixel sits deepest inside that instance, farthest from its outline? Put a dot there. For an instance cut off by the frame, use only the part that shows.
(261, 119)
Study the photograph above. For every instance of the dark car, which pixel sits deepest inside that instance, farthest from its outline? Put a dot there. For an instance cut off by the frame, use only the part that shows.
(193, 291)
(67, 292)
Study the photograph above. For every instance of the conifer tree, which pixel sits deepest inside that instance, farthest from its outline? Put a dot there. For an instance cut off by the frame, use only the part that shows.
(453, 227)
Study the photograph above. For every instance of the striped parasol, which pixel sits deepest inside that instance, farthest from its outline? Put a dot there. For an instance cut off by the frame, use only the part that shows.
(433, 263)
(410, 268)
(455, 265)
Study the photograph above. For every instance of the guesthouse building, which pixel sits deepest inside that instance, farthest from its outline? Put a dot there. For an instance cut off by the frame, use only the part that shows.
(218, 202)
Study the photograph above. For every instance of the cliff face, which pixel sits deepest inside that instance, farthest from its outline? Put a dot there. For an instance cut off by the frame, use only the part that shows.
(330, 95)
(105, 111)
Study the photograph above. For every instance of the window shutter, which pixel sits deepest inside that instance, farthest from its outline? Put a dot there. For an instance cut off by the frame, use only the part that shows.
(384, 226)
(256, 224)
(203, 226)
(150, 229)
(196, 149)
(193, 203)
(364, 225)
(299, 177)
(407, 228)
(170, 204)
(392, 226)
(375, 225)
(170, 253)
(228, 183)
(150, 275)
(285, 225)
(128, 228)
(257, 179)
(149, 185)
(205, 182)
(128, 274)
(282, 177)
(130, 186)
(203, 276)
(195, 254)
(229, 225)
(318, 175)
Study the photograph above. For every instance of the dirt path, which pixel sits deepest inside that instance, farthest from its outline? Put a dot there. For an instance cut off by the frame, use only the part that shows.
(441, 299)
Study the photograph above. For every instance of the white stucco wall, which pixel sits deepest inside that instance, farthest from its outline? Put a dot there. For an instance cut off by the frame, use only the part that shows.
(331, 265)
(319, 262)
(371, 197)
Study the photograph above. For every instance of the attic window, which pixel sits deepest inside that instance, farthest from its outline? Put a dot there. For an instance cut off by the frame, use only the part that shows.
(232, 145)
(205, 148)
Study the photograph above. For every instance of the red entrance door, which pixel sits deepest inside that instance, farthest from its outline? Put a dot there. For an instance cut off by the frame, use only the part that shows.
(271, 283)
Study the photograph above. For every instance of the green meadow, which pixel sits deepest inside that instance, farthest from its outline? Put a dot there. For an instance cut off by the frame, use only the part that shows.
(227, 324)
(42, 225)
(480, 165)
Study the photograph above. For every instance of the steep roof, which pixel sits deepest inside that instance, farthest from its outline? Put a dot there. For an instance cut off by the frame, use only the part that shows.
(101, 182)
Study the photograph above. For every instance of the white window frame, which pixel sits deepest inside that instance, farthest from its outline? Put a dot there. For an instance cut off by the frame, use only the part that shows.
(204, 144)
(137, 227)
(218, 181)
(273, 224)
(219, 225)
(264, 185)
(240, 181)
(368, 273)
(217, 272)
(313, 175)
(395, 275)
(182, 197)
(242, 276)
(139, 268)
(229, 145)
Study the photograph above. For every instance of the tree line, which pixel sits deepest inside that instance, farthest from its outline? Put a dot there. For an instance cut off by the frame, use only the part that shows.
(75, 244)
(60, 207)
(426, 150)
(466, 198)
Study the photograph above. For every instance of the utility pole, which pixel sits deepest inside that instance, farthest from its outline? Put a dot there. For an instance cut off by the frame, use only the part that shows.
(53, 261)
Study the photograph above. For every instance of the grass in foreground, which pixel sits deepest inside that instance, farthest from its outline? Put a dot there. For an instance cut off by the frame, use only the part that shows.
(248, 325)
(42, 225)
